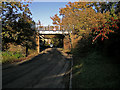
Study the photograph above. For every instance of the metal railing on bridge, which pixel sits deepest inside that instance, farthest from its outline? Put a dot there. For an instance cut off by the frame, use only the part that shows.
(53, 32)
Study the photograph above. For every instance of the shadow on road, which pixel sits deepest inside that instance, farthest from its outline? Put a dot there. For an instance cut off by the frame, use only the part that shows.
(46, 70)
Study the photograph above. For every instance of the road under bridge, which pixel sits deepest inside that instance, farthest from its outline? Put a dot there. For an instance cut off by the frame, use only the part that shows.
(41, 33)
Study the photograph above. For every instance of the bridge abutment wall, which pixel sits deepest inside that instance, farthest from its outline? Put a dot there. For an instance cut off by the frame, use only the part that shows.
(66, 40)
(38, 43)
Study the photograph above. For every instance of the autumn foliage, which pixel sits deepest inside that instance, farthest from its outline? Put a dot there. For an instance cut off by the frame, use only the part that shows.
(18, 28)
(99, 20)
(105, 29)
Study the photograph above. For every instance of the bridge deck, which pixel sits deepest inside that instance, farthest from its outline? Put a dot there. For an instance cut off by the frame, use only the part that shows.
(53, 32)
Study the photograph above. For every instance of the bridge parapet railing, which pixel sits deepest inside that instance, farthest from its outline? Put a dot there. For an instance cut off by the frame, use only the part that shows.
(49, 27)
(54, 32)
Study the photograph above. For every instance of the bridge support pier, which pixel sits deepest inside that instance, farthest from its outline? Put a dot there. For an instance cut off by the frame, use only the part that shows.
(66, 43)
(38, 43)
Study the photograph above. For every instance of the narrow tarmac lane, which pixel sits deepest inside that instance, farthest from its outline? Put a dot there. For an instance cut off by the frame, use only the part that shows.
(46, 70)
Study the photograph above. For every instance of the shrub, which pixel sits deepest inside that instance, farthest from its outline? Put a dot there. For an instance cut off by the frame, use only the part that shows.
(9, 57)
(83, 47)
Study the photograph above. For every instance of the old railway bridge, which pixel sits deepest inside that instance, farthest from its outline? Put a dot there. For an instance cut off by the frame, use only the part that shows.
(48, 31)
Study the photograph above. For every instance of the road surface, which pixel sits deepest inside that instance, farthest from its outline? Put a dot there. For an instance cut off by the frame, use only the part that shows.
(47, 70)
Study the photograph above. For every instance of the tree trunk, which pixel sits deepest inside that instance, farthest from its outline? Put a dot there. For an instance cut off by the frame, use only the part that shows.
(26, 51)
(70, 40)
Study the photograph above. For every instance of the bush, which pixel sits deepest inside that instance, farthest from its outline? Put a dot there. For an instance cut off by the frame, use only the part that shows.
(9, 57)
(83, 46)
(14, 54)
(18, 55)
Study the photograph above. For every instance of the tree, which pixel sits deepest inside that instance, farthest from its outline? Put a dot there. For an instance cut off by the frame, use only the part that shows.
(89, 19)
(57, 40)
(111, 24)
(17, 25)
(27, 34)
(78, 17)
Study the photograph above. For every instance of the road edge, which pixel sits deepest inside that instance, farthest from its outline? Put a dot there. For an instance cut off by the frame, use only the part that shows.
(21, 62)
(70, 84)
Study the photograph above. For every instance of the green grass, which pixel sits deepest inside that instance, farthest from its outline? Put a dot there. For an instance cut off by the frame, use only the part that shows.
(95, 71)
(10, 57)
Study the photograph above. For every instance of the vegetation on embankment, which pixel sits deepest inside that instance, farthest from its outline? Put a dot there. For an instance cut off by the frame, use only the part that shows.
(94, 57)
(16, 54)
(95, 71)
(18, 28)
(13, 57)
(94, 67)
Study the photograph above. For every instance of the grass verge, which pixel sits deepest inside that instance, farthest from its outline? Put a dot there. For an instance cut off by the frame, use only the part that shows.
(13, 57)
(95, 71)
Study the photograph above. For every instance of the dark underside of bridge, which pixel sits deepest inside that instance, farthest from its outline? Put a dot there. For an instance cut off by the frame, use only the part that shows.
(51, 41)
